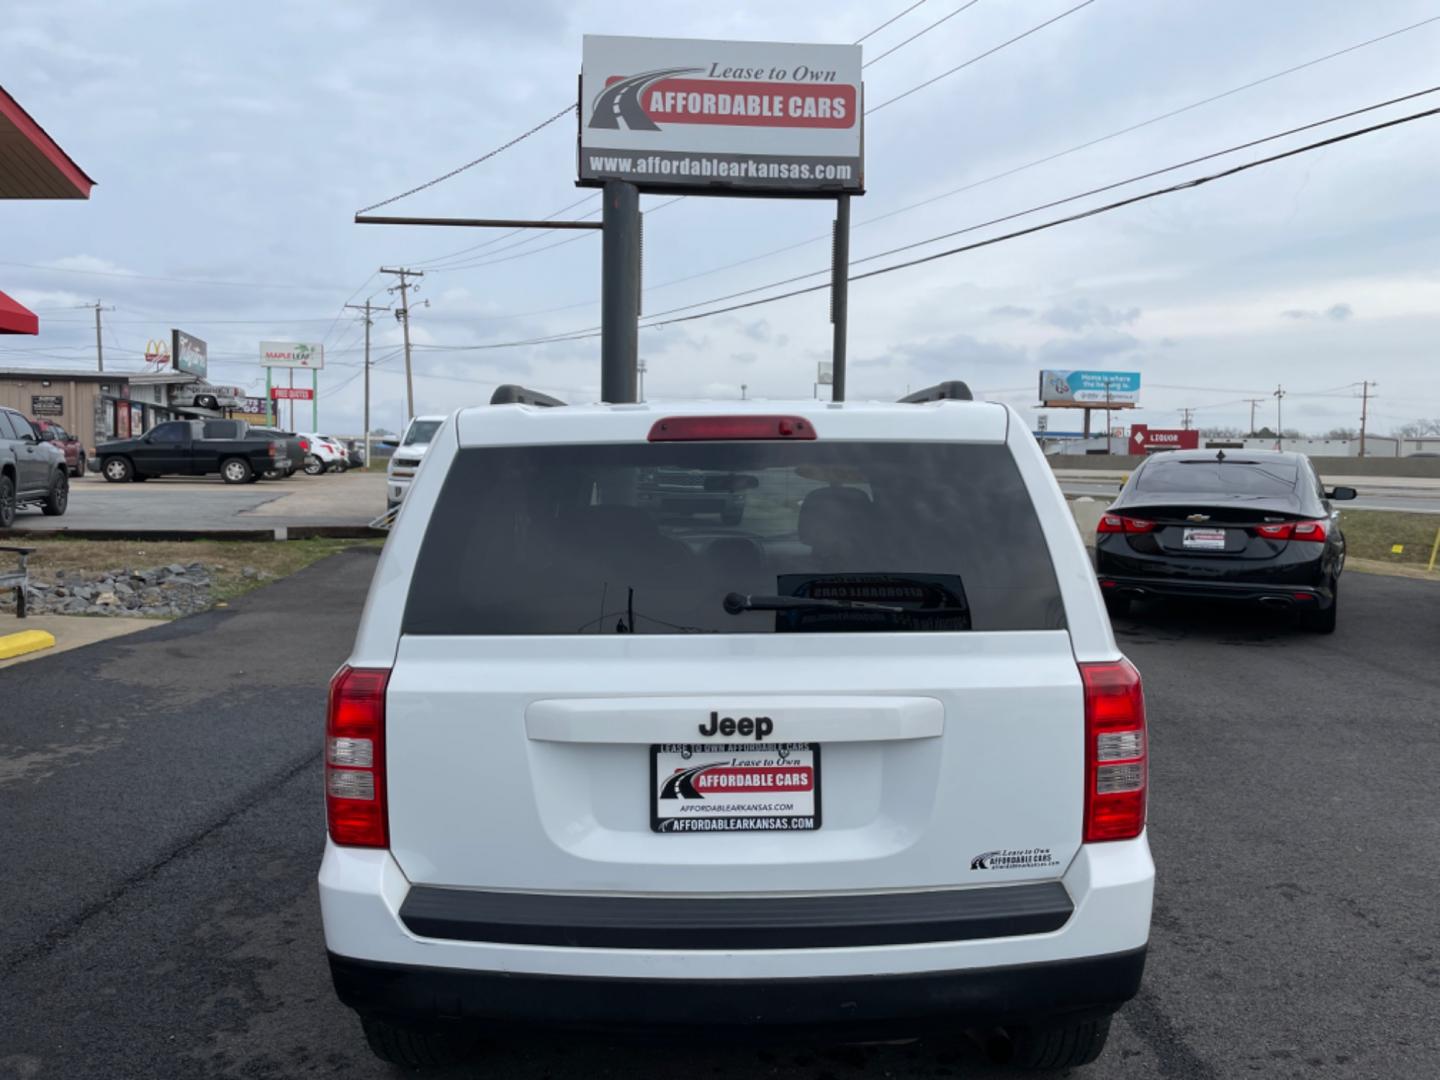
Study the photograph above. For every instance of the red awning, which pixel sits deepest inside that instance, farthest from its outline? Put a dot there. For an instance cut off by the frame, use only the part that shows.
(16, 319)
(32, 165)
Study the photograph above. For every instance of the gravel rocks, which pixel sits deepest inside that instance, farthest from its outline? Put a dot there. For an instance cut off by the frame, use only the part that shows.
(156, 592)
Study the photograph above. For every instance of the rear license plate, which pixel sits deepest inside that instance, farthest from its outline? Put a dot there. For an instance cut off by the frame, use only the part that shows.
(734, 787)
(1205, 539)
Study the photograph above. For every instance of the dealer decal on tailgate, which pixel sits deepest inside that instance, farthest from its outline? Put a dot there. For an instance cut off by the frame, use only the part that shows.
(735, 787)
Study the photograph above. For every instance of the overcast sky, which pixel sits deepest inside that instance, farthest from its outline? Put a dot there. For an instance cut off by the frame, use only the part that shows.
(231, 144)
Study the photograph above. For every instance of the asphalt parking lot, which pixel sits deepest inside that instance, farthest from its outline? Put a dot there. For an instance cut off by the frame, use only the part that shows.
(208, 503)
(161, 797)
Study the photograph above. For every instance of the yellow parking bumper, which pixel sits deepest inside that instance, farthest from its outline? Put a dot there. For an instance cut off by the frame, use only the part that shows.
(27, 641)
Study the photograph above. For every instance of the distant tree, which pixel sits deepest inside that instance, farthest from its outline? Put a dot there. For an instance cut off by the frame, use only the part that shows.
(1263, 433)
(1222, 433)
(1343, 433)
(381, 433)
(1417, 429)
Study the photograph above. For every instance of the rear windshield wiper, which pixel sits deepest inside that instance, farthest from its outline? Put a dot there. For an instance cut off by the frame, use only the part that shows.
(735, 603)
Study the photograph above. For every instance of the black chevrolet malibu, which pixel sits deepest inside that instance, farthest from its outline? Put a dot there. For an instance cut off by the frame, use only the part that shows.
(1243, 525)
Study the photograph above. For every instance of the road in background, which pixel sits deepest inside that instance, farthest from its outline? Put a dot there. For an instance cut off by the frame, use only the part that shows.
(208, 503)
(1407, 494)
(164, 824)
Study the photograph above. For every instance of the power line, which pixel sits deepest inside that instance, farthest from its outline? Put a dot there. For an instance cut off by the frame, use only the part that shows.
(888, 21)
(981, 56)
(1067, 199)
(471, 164)
(918, 34)
(177, 280)
(1093, 212)
(1049, 157)
(503, 236)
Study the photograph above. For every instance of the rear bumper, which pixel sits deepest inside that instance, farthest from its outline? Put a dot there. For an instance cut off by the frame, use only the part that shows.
(1090, 960)
(1096, 985)
(1274, 593)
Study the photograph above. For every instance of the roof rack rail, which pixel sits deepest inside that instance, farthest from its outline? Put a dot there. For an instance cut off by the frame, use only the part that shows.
(954, 390)
(510, 394)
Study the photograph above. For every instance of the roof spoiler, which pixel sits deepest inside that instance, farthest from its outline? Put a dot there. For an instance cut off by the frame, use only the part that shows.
(954, 390)
(510, 394)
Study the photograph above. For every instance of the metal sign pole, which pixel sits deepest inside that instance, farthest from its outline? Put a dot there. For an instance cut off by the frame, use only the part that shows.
(620, 292)
(840, 293)
(315, 398)
(269, 400)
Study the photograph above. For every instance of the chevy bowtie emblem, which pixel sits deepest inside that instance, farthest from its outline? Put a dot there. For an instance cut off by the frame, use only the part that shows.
(1198, 517)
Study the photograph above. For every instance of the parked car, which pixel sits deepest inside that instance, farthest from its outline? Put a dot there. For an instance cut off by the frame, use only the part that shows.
(356, 451)
(875, 762)
(324, 454)
(70, 445)
(201, 395)
(1244, 525)
(405, 461)
(183, 448)
(33, 471)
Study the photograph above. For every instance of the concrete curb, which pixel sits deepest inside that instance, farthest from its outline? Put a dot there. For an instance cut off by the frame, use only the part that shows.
(26, 641)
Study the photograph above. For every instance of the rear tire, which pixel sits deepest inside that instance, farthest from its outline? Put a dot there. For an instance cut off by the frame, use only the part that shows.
(236, 471)
(314, 466)
(79, 469)
(1323, 622)
(1049, 1048)
(415, 1048)
(59, 497)
(1118, 605)
(117, 470)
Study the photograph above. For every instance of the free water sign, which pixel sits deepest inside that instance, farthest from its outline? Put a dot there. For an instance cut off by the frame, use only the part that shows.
(1119, 389)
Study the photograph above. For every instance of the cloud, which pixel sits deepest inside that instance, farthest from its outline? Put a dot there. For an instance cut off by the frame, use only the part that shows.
(959, 356)
(1079, 352)
(1335, 313)
(1082, 314)
(1011, 311)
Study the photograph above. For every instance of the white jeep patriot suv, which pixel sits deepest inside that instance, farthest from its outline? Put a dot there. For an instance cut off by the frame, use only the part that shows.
(867, 756)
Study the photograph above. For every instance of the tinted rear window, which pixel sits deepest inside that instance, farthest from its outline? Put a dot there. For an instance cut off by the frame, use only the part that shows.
(651, 538)
(1218, 477)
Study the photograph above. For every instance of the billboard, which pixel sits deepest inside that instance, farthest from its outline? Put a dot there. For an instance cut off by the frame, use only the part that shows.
(292, 354)
(189, 354)
(1117, 389)
(721, 117)
(1145, 439)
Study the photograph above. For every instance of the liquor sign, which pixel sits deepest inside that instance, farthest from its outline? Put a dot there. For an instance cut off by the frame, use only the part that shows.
(1146, 440)
(1090, 389)
(190, 354)
(721, 117)
(292, 354)
(291, 393)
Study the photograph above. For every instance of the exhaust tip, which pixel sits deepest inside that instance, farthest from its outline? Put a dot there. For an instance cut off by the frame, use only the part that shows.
(1276, 601)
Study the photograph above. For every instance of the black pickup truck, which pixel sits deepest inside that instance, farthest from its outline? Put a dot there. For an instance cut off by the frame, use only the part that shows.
(187, 448)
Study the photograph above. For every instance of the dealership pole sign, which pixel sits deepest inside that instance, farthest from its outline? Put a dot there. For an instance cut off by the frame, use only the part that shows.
(1090, 389)
(189, 353)
(721, 117)
(292, 354)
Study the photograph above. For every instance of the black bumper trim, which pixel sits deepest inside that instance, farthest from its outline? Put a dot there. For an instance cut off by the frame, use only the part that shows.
(1095, 986)
(801, 922)
(1131, 585)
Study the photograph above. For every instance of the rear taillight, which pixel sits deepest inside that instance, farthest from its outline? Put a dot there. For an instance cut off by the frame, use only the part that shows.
(305, 445)
(1115, 752)
(355, 757)
(1312, 531)
(701, 428)
(1118, 523)
(272, 449)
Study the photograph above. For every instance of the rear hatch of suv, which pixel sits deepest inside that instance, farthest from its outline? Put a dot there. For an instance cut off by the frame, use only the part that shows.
(863, 683)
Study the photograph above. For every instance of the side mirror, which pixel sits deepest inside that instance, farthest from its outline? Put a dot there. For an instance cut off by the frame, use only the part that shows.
(28, 438)
(1342, 494)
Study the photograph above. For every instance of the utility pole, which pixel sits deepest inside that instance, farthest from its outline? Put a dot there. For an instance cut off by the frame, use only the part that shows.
(403, 314)
(620, 245)
(640, 373)
(1364, 411)
(1279, 418)
(1252, 402)
(99, 348)
(1186, 417)
(367, 307)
